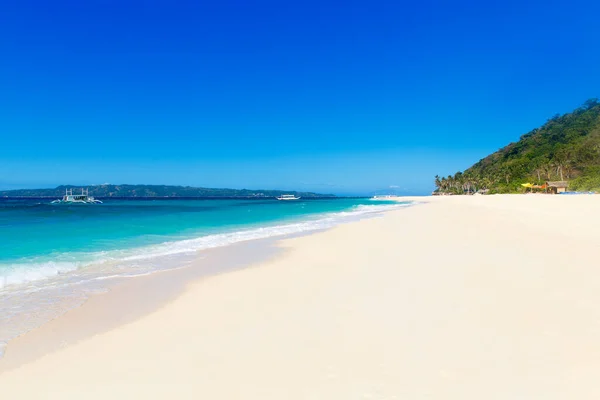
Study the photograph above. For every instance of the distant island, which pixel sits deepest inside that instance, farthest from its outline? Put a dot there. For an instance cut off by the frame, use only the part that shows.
(108, 190)
(566, 149)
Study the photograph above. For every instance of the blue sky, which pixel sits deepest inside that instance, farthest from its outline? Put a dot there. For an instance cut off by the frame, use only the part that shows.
(342, 97)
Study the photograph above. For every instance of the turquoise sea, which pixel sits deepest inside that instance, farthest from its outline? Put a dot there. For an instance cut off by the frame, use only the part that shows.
(53, 256)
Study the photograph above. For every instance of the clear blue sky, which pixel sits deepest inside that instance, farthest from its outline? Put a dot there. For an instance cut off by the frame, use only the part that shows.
(343, 97)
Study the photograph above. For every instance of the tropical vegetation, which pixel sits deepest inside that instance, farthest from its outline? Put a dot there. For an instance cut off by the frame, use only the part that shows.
(566, 147)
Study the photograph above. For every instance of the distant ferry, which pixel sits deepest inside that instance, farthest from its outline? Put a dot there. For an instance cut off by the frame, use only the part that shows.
(83, 198)
(286, 197)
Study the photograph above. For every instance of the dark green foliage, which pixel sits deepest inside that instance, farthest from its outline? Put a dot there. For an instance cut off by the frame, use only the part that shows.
(152, 191)
(566, 147)
(588, 181)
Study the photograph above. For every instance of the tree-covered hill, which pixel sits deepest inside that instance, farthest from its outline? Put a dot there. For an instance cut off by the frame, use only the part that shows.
(152, 191)
(566, 147)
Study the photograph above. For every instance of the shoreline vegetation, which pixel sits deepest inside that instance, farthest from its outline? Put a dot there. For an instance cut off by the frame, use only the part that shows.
(155, 191)
(565, 149)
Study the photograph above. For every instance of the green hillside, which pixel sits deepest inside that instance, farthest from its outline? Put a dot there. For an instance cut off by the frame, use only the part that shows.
(566, 147)
(152, 191)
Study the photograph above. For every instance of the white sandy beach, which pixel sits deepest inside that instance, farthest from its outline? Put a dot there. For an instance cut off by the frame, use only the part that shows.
(489, 297)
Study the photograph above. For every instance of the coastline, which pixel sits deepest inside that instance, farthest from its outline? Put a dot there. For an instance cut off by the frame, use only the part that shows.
(102, 310)
(459, 297)
(130, 299)
(33, 303)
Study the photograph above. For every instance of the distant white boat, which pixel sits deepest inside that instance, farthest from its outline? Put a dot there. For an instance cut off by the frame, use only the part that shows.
(287, 197)
(83, 198)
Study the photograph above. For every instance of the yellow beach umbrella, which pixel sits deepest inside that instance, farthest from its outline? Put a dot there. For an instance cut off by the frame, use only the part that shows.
(527, 185)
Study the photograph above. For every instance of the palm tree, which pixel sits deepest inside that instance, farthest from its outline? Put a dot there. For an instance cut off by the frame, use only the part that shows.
(451, 183)
(539, 171)
(468, 182)
(547, 169)
(540, 167)
(459, 182)
(559, 169)
(568, 170)
(476, 181)
(560, 165)
(561, 161)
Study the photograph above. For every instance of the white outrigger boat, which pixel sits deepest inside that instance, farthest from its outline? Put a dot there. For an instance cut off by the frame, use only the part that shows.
(83, 198)
(287, 197)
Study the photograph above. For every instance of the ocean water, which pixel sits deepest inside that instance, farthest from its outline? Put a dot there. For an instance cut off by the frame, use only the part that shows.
(52, 257)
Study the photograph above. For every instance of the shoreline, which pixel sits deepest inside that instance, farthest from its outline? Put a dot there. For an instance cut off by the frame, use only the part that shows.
(102, 311)
(143, 294)
(458, 298)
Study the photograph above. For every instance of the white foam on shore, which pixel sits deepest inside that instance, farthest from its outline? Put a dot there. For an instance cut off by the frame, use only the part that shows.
(34, 292)
(35, 270)
(16, 274)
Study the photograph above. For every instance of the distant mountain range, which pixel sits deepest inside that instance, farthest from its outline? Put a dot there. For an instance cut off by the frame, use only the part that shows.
(108, 190)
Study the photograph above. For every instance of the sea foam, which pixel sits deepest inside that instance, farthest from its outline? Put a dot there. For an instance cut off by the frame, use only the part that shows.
(33, 291)
(30, 270)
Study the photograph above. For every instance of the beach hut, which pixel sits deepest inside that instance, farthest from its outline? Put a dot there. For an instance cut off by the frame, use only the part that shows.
(558, 186)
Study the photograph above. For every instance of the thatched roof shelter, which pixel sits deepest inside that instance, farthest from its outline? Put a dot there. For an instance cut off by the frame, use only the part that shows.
(559, 184)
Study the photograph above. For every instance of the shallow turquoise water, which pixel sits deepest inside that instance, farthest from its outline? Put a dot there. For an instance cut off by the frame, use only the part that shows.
(34, 233)
(52, 257)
